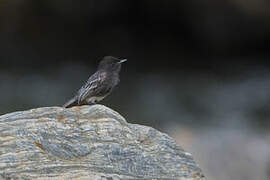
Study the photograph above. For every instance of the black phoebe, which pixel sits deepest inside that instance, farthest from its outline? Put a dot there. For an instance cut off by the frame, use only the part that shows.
(100, 84)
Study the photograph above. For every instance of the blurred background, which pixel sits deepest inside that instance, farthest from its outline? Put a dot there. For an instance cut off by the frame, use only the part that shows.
(197, 70)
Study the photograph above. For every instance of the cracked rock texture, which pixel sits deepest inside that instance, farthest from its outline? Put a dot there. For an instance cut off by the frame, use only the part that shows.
(87, 142)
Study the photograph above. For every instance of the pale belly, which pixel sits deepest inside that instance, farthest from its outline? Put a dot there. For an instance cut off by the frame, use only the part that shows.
(93, 100)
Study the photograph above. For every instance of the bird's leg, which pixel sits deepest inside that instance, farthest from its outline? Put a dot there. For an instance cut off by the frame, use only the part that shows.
(91, 102)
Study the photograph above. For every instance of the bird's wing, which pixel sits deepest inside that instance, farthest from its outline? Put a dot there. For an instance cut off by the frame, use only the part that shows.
(91, 86)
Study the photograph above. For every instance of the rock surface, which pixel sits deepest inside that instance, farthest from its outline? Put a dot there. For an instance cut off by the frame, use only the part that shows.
(87, 142)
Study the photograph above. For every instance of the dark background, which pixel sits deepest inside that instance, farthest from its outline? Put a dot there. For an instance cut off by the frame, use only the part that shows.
(198, 70)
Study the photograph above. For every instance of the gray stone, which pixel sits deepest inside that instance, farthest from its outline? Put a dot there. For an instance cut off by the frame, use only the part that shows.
(87, 142)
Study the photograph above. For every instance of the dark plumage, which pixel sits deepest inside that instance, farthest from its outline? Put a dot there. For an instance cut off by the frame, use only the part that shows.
(100, 84)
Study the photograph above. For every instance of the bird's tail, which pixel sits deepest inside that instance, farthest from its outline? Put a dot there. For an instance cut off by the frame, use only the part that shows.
(71, 102)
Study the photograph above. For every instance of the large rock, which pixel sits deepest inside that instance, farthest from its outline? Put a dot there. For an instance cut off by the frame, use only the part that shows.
(87, 142)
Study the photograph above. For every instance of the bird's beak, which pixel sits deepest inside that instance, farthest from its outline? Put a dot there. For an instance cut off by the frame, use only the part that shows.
(123, 60)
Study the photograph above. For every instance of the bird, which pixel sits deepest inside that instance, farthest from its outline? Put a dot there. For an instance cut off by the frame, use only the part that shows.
(100, 84)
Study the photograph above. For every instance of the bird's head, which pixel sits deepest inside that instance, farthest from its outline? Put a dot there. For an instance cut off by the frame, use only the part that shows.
(111, 63)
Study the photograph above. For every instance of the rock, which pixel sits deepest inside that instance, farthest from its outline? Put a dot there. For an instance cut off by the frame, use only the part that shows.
(87, 142)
